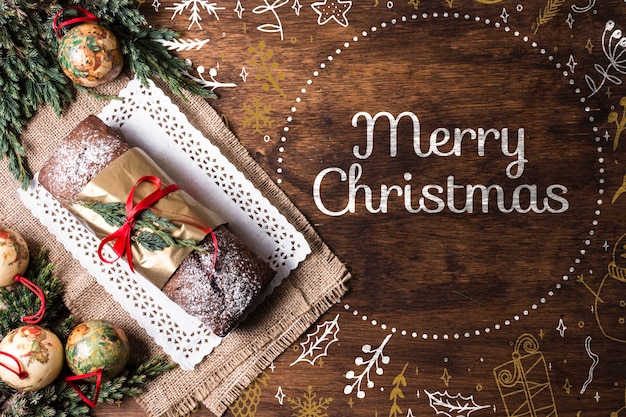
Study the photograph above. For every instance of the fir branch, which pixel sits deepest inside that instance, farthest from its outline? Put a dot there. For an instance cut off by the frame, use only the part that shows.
(30, 75)
(131, 382)
(548, 13)
(152, 232)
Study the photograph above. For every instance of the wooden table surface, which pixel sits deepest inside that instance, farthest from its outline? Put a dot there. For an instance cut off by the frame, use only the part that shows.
(464, 160)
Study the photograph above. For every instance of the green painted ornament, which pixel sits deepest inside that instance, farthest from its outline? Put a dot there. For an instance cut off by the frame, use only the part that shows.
(95, 345)
(89, 53)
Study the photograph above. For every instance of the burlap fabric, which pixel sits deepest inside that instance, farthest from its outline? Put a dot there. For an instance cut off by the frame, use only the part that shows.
(317, 284)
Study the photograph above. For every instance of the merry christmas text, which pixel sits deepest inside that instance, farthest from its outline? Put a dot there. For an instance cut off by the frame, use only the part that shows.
(435, 198)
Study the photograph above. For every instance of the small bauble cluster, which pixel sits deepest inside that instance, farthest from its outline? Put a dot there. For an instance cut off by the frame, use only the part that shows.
(32, 357)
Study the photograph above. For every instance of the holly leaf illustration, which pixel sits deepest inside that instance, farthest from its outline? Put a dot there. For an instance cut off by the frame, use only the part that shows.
(453, 405)
(316, 344)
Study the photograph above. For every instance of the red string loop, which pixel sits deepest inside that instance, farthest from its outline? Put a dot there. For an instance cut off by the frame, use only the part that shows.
(38, 316)
(89, 17)
(21, 373)
(69, 380)
(121, 238)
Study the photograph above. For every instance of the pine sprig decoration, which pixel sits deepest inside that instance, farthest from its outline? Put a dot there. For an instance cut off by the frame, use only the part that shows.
(59, 399)
(152, 232)
(30, 75)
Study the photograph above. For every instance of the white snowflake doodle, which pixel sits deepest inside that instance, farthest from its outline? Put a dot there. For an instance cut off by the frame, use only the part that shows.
(335, 10)
(377, 354)
(195, 8)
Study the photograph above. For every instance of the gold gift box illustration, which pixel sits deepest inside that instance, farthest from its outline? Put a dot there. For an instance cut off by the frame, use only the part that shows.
(524, 382)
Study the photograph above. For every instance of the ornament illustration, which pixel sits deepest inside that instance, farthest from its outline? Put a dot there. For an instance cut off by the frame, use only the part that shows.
(195, 8)
(97, 345)
(374, 362)
(524, 382)
(548, 13)
(316, 344)
(399, 382)
(180, 45)
(271, 27)
(14, 256)
(620, 124)
(248, 401)
(310, 405)
(334, 10)
(595, 359)
(610, 303)
(31, 357)
(613, 46)
(453, 405)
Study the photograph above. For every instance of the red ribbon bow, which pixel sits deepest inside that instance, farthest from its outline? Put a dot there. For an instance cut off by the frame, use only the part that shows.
(69, 380)
(38, 316)
(121, 238)
(89, 17)
(20, 372)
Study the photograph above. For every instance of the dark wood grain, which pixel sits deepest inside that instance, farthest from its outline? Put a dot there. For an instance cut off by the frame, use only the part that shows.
(446, 292)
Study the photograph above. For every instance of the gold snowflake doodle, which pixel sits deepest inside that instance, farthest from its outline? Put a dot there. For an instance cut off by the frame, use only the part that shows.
(257, 115)
(309, 405)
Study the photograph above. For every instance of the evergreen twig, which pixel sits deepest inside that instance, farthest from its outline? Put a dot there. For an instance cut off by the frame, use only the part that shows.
(152, 232)
(30, 75)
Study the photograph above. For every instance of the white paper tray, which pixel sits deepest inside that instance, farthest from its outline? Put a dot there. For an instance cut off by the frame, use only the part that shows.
(148, 119)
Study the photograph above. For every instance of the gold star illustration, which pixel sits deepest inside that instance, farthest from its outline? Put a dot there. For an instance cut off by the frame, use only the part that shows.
(445, 377)
(589, 46)
(567, 386)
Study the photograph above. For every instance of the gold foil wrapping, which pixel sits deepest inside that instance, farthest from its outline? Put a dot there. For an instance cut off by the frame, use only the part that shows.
(114, 183)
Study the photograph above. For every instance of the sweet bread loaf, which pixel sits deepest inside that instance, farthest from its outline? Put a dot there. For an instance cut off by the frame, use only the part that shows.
(218, 291)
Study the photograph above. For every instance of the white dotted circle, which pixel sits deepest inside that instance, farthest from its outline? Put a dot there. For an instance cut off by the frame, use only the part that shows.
(414, 333)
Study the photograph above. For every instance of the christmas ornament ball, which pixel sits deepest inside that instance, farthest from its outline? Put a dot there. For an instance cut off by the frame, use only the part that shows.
(39, 353)
(97, 344)
(13, 256)
(90, 55)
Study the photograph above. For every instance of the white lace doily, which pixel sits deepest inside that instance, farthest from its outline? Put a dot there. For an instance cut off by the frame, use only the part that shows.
(148, 119)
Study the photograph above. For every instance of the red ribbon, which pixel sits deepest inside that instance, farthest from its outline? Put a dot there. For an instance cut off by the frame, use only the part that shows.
(98, 374)
(121, 238)
(21, 373)
(38, 316)
(89, 17)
